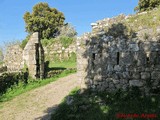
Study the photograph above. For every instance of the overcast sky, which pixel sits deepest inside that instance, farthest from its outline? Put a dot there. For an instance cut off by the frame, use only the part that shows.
(80, 13)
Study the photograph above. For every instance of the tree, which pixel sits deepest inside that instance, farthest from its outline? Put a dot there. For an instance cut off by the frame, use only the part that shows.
(44, 20)
(144, 5)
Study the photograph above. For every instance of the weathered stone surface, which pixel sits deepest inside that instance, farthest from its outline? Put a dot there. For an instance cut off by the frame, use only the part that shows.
(33, 56)
(117, 68)
(126, 75)
(13, 58)
(155, 75)
(133, 47)
(136, 83)
(136, 75)
(145, 75)
(121, 60)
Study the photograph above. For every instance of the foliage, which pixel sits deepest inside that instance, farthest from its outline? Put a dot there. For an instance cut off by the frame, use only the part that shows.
(149, 20)
(66, 41)
(134, 25)
(1, 62)
(9, 79)
(66, 36)
(24, 42)
(20, 88)
(1, 55)
(145, 5)
(44, 19)
(46, 42)
(91, 105)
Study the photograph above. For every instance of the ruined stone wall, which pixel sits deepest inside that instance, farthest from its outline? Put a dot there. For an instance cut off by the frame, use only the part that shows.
(32, 57)
(107, 62)
(58, 52)
(13, 58)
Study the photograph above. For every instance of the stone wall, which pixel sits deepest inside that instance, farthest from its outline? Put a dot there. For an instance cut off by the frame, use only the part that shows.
(107, 62)
(32, 56)
(13, 58)
(58, 52)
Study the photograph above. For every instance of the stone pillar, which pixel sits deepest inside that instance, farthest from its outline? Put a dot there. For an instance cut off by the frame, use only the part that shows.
(82, 63)
(33, 56)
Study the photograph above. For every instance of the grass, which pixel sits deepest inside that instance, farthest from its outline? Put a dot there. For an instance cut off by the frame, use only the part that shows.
(63, 40)
(146, 23)
(70, 63)
(32, 84)
(66, 64)
(106, 106)
(149, 20)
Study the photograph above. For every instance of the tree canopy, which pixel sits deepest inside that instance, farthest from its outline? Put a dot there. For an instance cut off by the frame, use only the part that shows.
(44, 20)
(144, 5)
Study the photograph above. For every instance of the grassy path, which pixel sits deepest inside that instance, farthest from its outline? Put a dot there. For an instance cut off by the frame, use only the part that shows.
(39, 103)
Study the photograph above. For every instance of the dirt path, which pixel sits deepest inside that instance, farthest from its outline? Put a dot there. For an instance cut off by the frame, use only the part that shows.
(39, 103)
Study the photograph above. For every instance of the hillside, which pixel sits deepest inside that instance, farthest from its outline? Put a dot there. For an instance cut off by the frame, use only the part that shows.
(146, 25)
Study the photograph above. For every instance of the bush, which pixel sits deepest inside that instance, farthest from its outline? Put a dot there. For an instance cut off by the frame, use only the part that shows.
(66, 41)
(24, 42)
(7, 80)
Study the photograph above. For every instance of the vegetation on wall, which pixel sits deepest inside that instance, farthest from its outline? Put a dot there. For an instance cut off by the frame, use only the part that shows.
(1, 56)
(66, 36)
(24, 42)
(44, 19)
(66, 41)
(146, 25)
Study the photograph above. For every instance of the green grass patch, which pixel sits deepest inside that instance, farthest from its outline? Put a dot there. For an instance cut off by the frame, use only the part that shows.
(70, 63)
(106, 106)
(1, 62)
(32, 84)
(66, 64)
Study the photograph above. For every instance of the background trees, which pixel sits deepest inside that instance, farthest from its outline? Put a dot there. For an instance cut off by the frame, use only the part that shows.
(44, 20)
(144, 5)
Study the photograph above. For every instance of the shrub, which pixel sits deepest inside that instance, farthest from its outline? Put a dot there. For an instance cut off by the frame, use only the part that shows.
(7, 80)
(66, 41)
(24, 42)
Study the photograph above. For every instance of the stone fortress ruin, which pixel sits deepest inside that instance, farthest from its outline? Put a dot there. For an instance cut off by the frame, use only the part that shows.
(32, 56)
(110, 60)
(35, 56)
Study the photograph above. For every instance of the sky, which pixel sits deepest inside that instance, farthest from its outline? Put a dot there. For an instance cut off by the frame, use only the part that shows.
(79, 13)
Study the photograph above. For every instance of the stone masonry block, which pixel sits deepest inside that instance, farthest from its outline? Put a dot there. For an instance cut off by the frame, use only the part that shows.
(136, 83)
(155, 75)
(145, 75)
